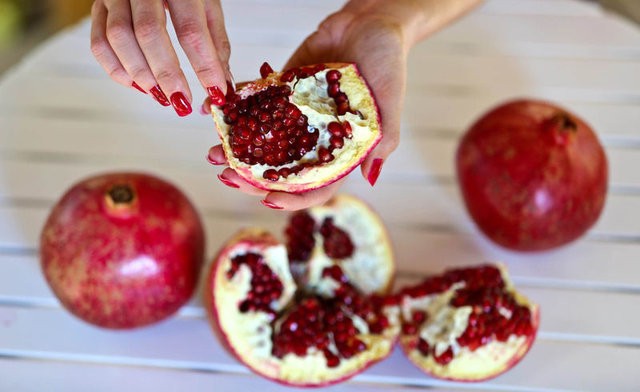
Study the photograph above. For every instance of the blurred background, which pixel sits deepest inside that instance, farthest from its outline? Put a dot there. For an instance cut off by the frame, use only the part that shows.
(25, 23)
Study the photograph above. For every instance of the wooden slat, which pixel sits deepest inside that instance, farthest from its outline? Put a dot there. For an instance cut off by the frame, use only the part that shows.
(100, 375)
(582, 314)
(550, 364)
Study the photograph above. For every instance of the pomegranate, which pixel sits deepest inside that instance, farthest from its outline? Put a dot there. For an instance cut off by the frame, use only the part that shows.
(298, 130)
(533, 175)
(321, 324)
(467, 324)
(122, 250)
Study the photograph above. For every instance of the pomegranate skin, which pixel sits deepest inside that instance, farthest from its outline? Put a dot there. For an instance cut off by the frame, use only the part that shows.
(533, 176)
(122, 250)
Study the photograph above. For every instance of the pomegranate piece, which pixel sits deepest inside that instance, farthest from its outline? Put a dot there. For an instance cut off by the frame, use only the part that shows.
(310, 329)
(122, 250)
(467, 324)
(533, 175)
(298, 130)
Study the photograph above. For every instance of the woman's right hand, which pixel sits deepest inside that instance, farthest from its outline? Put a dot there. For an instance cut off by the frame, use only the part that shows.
(130, 40)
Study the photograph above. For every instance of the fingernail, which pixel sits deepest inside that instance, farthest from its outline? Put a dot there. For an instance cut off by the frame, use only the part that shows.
(203, 109)
(217, 98)
(231, 87)
(180, 104)
(227, 181)
(374, 172)
(270, 205)
(212, 160)
(137, 86)
(159, 96)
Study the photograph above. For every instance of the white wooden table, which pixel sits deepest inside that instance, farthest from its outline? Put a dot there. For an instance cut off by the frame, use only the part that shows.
(62, 119)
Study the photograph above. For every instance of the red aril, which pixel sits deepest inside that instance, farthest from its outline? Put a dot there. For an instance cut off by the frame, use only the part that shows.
(467, 324)
(298, 130)
(533, 175)
(322, 323)
(122, 250)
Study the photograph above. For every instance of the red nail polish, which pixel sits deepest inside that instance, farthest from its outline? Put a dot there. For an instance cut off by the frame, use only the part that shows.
(227, 181)
(159, 96)
(137, 87)
(374, 172)
(270, 205)
(217, 98)
(180, 104)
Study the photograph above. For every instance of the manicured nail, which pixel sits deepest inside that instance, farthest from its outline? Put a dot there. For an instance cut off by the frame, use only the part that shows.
(270, 205)
(180, 104)
(217, 98)
(374, 172)
(212, 160)
(227, 181)
(137, 86)
(231, 86)
(159, 96)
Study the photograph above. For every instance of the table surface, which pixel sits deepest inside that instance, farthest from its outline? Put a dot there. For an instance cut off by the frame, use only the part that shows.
(62, 119)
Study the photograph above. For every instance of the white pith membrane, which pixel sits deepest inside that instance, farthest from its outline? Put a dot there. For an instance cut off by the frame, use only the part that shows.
(311, 97)
(371, 245)
(249, 334)
(445, 323)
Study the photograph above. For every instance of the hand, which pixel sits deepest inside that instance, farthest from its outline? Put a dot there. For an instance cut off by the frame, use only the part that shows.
(378, 47)
(130, 40)
(376, 35)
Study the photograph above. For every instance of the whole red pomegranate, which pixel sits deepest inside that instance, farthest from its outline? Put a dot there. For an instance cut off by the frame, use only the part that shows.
(533, 175)
(122, 250)
(301, 129)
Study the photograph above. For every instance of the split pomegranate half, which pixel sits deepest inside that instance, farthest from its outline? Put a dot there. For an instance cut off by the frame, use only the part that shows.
(298, 130)
(467, 324)
(323, 323)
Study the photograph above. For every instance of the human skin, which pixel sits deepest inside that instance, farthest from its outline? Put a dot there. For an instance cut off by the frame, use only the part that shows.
(376, 34)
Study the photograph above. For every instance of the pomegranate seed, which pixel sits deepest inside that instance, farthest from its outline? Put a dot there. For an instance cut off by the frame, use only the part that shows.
(336, 142)
(265, 70)
(337, 242)
(324, 155)
(333, 76)
(423, 347)
(348, 132)
(265, 284)
(271, 175)
(333, 90)
(299, 234)
(335, 128)
(445, 357)
(288, 76)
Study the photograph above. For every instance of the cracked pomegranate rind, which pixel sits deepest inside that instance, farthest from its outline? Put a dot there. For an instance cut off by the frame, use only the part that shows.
(301, 129)
(293, 332)
(467, 324)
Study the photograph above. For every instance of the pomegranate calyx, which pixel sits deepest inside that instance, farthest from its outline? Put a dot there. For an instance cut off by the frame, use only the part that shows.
(121, 194)
(562, 127)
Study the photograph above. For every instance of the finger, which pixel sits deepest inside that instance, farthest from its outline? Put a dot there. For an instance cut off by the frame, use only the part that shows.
(101, 48)
(216, 155)
(120, 35)
(149, 21)
(294, 202)
(231, 179)
(218, 31)
(206, 106)
(192, 29)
